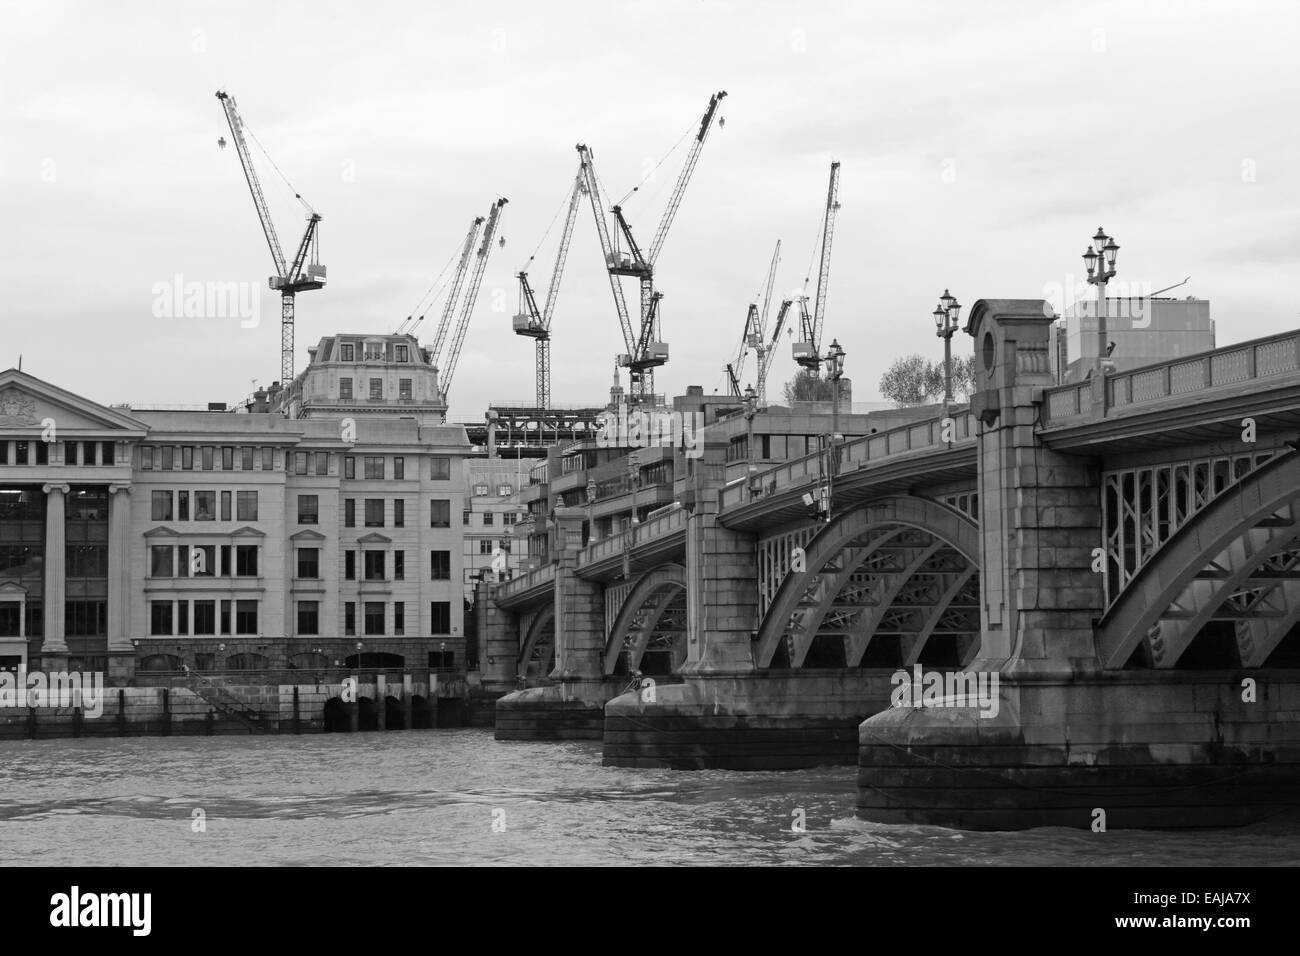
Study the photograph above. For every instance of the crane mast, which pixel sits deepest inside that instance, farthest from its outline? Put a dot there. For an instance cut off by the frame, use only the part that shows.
(764, 364)
(807, 352)
(453, 292)
(535, 323)
(290, 277)
(646, 351)
(471, 295)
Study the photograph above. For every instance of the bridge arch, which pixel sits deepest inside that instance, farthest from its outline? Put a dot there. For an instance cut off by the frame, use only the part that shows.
(1224, 590)
(537, 649)
(903, 567)
(648, 633)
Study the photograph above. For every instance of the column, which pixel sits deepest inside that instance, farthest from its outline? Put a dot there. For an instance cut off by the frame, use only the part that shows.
(579, 608)
(121, 652)
(722, 593)
(55, 553)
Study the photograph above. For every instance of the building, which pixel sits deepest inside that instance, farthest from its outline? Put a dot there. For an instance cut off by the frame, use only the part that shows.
(140, 541)
(491, 509)
(1144, 330)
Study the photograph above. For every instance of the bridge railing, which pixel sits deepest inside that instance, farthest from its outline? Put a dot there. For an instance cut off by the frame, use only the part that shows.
(857, 453)
(527, 580)
(616, 544)
(1231, 365)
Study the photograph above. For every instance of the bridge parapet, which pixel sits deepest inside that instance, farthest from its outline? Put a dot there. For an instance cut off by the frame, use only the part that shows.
(524, 586)
(861, 452)
(1208, 371)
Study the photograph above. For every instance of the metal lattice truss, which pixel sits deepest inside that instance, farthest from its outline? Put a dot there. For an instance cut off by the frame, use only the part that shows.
(537, 649)
(866, 575)
(1143, 507)
(776, 555)
(1239, 563)
(967, 502)
(650, 615)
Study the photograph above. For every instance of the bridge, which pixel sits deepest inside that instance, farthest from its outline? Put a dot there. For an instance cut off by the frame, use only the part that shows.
(1116, 562)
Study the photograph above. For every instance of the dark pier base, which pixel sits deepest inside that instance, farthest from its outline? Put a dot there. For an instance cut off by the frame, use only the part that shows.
(558, 712)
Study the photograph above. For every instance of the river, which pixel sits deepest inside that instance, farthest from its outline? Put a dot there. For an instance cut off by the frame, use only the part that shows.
(459, 797)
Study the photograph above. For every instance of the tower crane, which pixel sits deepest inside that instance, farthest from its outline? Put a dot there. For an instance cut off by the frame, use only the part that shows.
(453, 293)
(291, 276)
(645, 349)
(764, 366)
(807, 351)
(471, 295)
(754, 333)
(537, 324)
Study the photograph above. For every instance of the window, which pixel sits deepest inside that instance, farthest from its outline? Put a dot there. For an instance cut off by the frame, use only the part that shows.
(374, 466)
(399, 617)
(404, 389)
(346, 352)
(187, 457)
(106, 453)
(349, 618)
(488, 519)
(182, 617)
(203, 561)
(245, 617)
(225, 506)
(376, 388)
(440, 617)
(225, 562)
(403, 353)
(374, 565)
(205, 506)
(227, 457)
(246, 457)
(308, 617)
(440, 565)
(345, 389)
(268, 459)
(374, 351)
(160, 617)
(308, 509)
(374, 617)
(309, 562)
(441, 469)
(168, 457)
(246, 505)
(162, 505)
(225, 617)
(322, 463)
(349, 466)
(205, 617)
(480, 490)
(439, 513)
(349, 512)
(146, 456)
(399, 468)
(399, 513)
(485, 546)
(442, 660)
(505, 491)
(464, 517)
(70, 452)
(207, 457)
(246, 560)
(350, 565)
(160, 561)
(399, 565)
(300, 463)
(182, 506)
(42, 453)
(374, 512)
(509, 517)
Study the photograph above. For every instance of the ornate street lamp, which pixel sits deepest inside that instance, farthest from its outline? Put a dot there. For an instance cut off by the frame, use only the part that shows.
(750, 399)
(1099, 260)
(834, 362)
(946, 315)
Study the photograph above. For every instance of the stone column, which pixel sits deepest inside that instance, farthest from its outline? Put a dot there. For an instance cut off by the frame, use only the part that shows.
(579, 608)
(54, 644)
(121, 653)
(498, 640)
(721, 595)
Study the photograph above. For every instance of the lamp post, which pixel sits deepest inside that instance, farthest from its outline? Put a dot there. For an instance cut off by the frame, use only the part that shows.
(834, 362)
(946, 314)
(591, 501)
(1100, 263)
(751, 409)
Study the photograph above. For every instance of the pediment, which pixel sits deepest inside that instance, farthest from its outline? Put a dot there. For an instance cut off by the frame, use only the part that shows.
(11, 590)
(162, 531)
(247, 531)
(29, 402)
(306, 534)
(374, 537)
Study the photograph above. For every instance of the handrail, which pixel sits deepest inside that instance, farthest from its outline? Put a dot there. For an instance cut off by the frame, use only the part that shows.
(641, 533)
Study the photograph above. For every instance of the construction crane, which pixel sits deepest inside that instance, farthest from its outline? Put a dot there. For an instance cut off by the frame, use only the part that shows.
(453, 292)
(753, 336)
(537, 324)
(645, 348)
(765, 365)
(291, 277)
(471, 295)
(807, 350)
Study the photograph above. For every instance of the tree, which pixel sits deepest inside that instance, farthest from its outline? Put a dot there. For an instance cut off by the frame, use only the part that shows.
(913, 380)
(806, 387)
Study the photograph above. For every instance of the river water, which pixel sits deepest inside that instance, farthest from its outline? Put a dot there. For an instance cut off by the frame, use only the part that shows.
(459, 797)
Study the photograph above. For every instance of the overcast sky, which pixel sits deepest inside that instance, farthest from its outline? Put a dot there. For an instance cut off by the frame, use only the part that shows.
(982, 145)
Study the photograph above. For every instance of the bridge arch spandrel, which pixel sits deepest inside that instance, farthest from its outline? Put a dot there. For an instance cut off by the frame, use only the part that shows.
(1237, 562)
(899, 544)
(656, 596)
(537, 649)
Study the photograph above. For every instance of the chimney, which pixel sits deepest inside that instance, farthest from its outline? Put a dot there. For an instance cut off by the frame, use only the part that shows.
(259, 401)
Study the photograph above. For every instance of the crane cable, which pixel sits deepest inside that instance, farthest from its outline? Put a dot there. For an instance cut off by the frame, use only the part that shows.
(296, 195)
(563, 202)
(655, 168)
(426, 297)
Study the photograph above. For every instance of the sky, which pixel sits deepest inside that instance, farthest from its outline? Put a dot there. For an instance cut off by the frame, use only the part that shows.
(981, 145)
